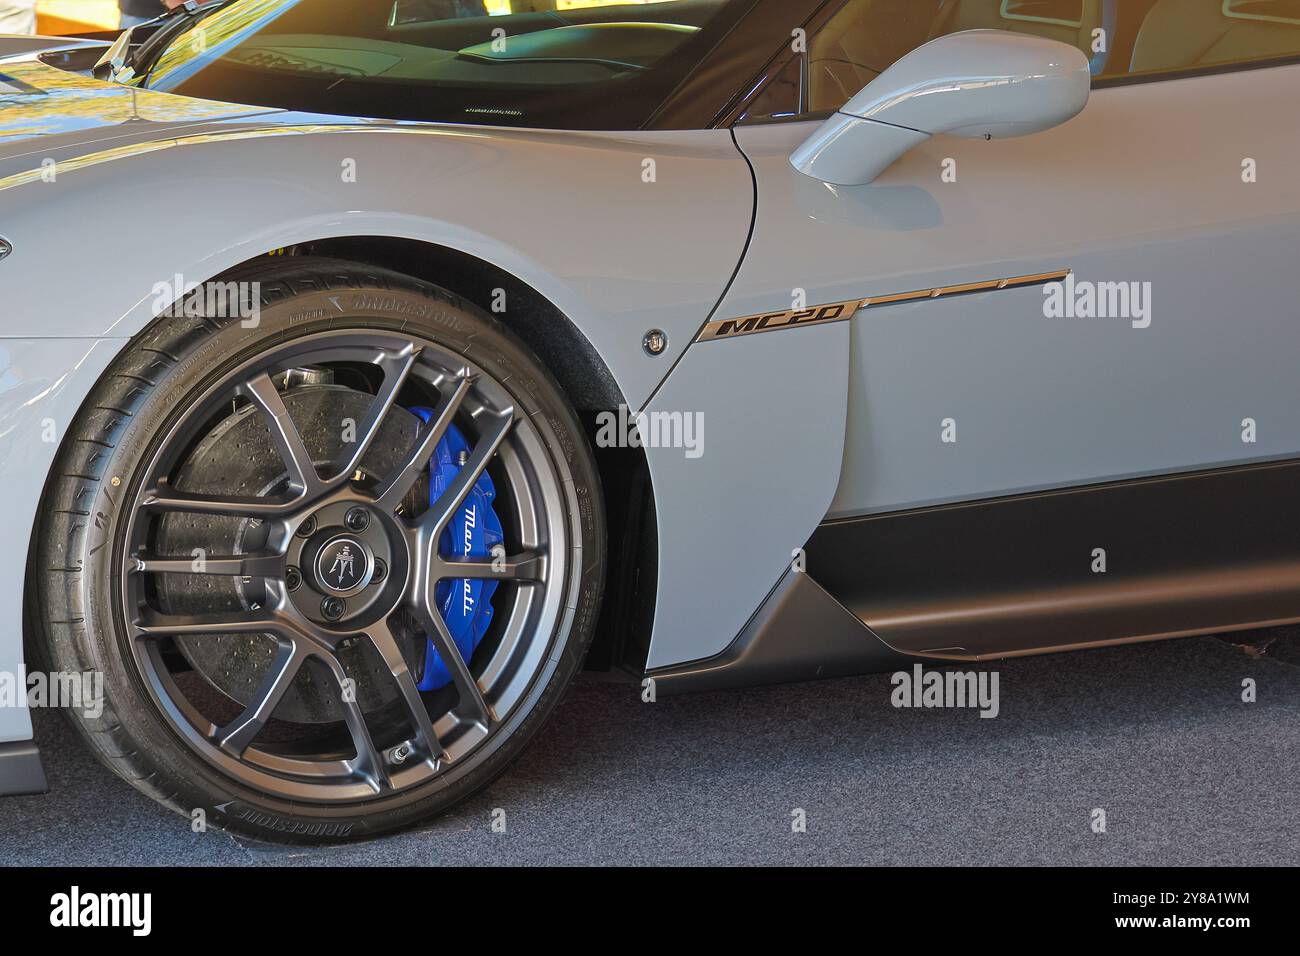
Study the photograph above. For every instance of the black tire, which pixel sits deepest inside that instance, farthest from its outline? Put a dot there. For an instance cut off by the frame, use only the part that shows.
(77, 602)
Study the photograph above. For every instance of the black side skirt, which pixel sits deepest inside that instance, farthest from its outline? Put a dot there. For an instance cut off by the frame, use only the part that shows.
(1182, 555)
(800, 633)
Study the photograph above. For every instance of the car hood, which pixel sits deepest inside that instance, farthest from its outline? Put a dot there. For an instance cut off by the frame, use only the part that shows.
(54, 114)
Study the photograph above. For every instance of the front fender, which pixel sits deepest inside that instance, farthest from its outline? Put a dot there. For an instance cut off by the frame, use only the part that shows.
(621, 232)
(42, 384)
(568, 213)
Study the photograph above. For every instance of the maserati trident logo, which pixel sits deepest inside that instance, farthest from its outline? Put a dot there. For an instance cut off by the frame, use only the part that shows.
(343, 565)
(342, 570)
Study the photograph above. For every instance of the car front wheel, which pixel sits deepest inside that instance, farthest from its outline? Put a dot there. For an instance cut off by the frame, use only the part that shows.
(336, 560)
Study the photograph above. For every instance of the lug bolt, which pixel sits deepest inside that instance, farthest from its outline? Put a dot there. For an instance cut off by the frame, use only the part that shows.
(357, 519)
(292, 578)
(307, 528)
(333, 608)
(381, 572)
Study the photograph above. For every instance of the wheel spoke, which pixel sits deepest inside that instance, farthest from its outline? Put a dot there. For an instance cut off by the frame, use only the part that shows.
(288, 440)
(236, 736)
(369, 763)
(396, 369)
(162, 498)
(528, 567)
(186, 625)
(473, 704)
(440, 512)
(392, 492)
(237, 565)
(382, 637)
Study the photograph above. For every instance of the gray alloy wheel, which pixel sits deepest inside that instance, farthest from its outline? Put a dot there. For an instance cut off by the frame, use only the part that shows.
(284, 700)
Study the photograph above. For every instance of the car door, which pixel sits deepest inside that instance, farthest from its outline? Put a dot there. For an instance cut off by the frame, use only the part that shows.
(1174, 184)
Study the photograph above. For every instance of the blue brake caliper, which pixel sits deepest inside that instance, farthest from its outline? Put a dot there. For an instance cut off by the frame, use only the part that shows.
(475, 529)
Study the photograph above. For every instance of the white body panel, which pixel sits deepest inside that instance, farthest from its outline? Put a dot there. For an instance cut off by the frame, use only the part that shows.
(42, 384)
(617, 255)
(731, 520)
(1145, 185)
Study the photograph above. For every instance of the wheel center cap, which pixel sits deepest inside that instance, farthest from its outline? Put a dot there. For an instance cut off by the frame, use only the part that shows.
(344, 564)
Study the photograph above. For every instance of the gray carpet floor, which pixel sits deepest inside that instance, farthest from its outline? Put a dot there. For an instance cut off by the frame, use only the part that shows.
(1156, 736)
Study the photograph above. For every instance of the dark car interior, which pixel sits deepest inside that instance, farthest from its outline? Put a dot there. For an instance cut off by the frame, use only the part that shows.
(606, 66)
(416, 40)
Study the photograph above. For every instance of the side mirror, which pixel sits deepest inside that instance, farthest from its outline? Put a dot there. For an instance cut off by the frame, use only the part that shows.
(975, 84)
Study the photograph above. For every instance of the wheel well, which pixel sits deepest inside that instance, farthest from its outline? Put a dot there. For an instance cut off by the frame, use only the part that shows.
(627, 613)
(576, 365)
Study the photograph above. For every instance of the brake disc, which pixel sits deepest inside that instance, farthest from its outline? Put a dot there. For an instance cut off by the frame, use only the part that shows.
(239, 457)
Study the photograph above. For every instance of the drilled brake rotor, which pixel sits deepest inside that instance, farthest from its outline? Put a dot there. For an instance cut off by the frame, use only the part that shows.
(239, 457)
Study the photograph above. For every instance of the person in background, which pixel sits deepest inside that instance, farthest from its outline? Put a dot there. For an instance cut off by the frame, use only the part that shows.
(17, 16)
(141, 11)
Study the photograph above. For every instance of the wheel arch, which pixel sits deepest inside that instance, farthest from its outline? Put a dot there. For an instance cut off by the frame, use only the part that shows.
(623, 636)
(530, 315)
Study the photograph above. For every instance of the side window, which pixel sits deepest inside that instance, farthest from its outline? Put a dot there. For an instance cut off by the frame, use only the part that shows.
(1139, 38)
(1197, 34)
(780, 97)
(862, 41)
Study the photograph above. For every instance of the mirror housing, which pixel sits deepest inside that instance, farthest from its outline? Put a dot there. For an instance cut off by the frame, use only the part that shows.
(977, 84)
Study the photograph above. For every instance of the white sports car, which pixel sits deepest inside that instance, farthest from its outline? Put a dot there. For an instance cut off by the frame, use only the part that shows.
(367, 367)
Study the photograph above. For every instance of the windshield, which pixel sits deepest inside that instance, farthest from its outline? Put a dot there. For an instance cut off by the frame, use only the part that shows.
(565, 64)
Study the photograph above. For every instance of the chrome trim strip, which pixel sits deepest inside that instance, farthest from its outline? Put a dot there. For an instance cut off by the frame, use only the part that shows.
(843, 311)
